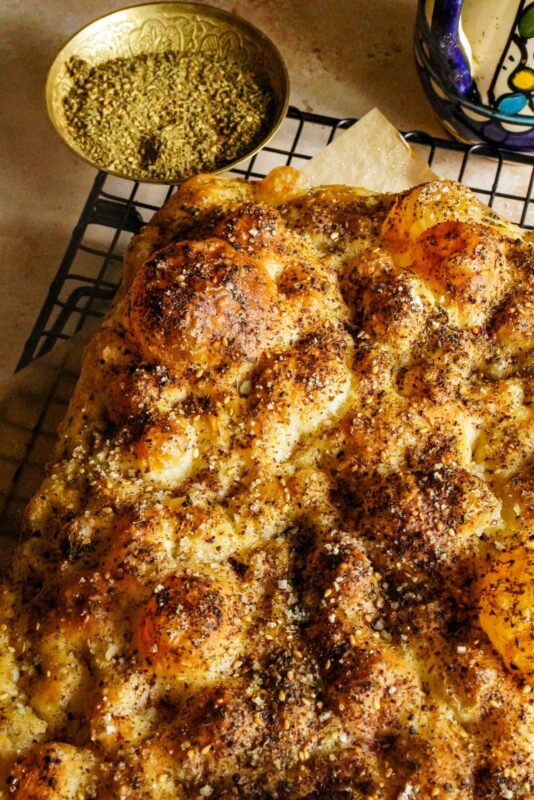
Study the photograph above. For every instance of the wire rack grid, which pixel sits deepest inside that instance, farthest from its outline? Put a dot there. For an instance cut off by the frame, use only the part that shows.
(116, 209)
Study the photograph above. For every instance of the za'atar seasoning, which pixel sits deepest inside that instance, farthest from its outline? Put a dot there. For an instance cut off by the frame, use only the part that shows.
(166, 115)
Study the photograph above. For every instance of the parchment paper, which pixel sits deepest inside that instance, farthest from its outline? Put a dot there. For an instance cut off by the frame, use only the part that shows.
(371, 155)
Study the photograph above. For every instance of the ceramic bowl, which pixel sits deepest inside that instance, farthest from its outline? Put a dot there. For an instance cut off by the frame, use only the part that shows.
(476, 62)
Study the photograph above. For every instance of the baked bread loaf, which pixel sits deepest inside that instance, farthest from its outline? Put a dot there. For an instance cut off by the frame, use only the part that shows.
(285, 545)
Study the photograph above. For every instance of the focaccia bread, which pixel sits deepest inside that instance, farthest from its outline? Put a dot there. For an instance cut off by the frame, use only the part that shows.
(285, 547)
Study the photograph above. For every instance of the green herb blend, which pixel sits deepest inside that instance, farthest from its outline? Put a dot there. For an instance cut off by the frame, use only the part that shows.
(166, 115)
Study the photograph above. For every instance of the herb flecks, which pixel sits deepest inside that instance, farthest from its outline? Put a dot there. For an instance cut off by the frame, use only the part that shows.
(166, 115)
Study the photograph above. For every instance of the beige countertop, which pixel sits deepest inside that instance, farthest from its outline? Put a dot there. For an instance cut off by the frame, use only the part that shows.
(344, 57)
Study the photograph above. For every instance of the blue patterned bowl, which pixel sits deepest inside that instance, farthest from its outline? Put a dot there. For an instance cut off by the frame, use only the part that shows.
(476, 62)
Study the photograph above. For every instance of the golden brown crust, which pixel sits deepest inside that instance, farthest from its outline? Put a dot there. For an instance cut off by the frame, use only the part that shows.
(202, 305)
(284, 549)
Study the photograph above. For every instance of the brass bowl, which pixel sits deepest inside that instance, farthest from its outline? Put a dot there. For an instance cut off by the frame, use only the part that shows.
(157, 27)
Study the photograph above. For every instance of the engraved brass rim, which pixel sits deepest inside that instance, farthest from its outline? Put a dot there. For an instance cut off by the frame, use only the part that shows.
(154, 27)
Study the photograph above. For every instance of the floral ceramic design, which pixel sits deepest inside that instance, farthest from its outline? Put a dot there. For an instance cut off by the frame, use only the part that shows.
(486, 95)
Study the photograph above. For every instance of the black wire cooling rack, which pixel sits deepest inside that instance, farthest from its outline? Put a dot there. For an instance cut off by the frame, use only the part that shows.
(116, 209)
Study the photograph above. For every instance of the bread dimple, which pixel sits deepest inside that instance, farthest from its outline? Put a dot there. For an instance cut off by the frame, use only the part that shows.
(54, 771)
(506, 601)
(284, 547)
(419, 525)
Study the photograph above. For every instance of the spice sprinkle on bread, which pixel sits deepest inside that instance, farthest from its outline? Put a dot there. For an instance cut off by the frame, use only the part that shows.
(284, 548)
